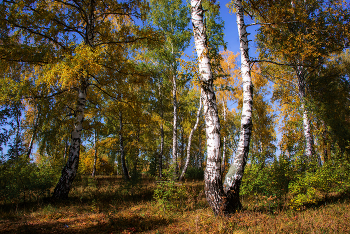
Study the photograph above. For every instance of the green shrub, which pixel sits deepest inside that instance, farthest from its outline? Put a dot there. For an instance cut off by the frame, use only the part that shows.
(271, 180)
(22, 180)
(169, 194)
(194, 173)
(313, 186)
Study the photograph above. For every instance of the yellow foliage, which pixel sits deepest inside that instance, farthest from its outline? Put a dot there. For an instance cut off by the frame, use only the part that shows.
(67, 73)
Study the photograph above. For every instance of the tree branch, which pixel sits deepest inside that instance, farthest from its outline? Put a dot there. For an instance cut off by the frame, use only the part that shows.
(278, 63)
(48, 96)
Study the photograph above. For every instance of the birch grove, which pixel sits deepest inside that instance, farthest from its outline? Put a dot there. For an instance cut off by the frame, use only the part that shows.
(110, 90)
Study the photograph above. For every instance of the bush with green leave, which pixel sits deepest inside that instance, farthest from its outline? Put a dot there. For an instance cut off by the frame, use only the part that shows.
(267, 180)
(194, 173)
(22, 180)
(169, 194)
(314, 185)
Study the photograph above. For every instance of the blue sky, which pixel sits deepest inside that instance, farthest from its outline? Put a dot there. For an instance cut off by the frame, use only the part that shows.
(231, 37)
(231, 32)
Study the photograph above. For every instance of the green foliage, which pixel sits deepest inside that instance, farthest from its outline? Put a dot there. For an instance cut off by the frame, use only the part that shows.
(313, 186)
(22, 180)
(271, 180)
(214, 27)
(169, 194)
(194, 173)
(295, 183)
(334, 75)
(153, 162)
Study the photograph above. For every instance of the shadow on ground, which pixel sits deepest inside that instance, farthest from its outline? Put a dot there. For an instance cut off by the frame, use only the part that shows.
(132, 224)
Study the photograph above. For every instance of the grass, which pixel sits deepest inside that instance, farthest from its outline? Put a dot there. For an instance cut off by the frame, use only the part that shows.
(109, 205)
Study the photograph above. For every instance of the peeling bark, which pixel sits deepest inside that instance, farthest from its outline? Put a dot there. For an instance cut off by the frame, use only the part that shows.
(70, 169)
(224, 145)
(190, 140)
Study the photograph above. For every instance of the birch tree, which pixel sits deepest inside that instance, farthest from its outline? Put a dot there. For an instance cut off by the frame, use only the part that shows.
(212, 175)
(79, 31)
(222, 199)
(234, 176)
(69, 171)
(188, 151)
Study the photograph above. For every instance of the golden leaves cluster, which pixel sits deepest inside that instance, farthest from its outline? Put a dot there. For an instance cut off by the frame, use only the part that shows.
(66, 73)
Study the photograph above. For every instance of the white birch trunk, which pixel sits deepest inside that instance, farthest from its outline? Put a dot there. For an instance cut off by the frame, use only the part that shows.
(70, 170)
(309, 143)
(309, 149)
(235, 174)
(190, 140)
(212, 174)
(175, 128)
(95, 155)
(224, 143)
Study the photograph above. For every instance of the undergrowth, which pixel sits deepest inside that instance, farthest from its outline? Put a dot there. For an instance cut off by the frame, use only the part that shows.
(110, 205)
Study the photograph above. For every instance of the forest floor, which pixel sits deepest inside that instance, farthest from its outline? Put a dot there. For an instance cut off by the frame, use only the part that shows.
(109, 205)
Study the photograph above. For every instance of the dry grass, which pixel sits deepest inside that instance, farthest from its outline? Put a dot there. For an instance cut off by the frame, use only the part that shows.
(108, 205)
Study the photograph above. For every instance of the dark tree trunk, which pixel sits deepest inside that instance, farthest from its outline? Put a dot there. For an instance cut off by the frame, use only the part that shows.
(35, 127)
(122, 151)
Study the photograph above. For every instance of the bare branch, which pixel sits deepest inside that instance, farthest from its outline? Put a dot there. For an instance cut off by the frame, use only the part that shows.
(48, 96)
(278, 63)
